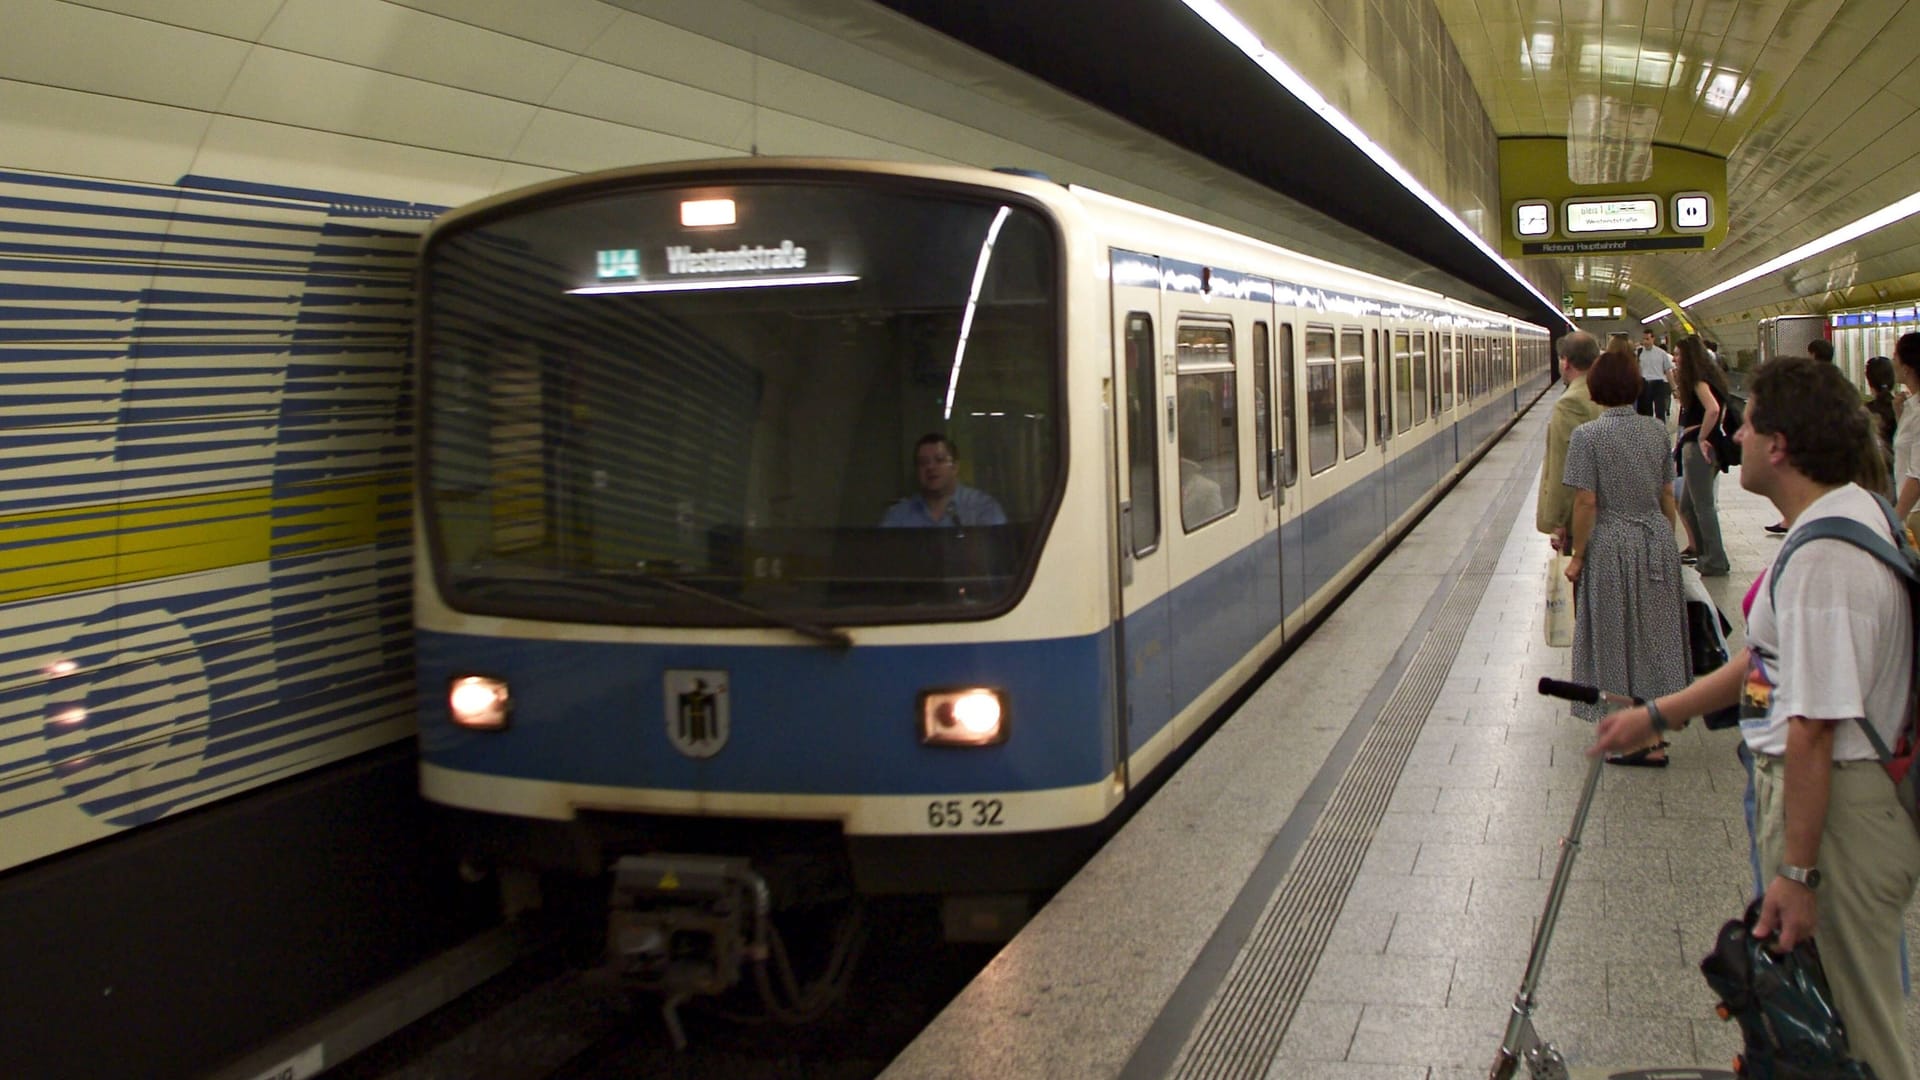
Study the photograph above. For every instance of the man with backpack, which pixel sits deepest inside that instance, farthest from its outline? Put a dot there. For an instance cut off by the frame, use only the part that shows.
(1823, 688)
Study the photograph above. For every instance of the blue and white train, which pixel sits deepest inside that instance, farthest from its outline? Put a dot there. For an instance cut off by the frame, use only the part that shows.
(664, 410)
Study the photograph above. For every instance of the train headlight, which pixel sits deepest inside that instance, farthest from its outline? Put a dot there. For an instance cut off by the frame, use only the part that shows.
(479, 702)
(975, 716)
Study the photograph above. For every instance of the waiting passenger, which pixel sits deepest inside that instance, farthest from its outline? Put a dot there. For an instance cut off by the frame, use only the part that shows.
(1553, 514)
(1906, 431)
(1656, 367)
(1886, 415)
(1821, 349)
(1629, 632)
(943, 501)
(1701, 388)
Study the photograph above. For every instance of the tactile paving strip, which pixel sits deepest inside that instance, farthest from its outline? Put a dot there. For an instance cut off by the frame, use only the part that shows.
(1241, 1031)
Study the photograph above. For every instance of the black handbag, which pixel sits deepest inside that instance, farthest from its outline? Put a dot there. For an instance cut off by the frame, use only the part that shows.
(1707, 631)
(1726, 448)
(1783, 1005)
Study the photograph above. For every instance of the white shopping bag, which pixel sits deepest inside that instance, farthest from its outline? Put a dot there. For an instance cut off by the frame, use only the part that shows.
(1559, 603)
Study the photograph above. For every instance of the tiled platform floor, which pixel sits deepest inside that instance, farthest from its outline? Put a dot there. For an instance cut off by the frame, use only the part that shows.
(1434, 939)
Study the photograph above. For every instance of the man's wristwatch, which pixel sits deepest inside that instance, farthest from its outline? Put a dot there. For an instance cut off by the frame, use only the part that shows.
(1805, 875)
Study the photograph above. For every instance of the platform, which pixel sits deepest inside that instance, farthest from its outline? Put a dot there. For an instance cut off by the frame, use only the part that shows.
(1343, 883)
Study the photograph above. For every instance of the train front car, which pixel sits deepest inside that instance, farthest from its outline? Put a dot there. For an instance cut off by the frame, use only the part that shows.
(698, 600)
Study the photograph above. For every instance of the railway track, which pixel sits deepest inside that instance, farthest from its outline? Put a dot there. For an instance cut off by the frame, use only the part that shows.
(548, 1019)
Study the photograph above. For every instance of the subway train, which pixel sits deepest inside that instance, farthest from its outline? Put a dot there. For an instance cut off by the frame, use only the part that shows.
(676, 629)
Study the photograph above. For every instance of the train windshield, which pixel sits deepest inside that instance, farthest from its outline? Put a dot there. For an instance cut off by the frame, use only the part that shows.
(740, 404)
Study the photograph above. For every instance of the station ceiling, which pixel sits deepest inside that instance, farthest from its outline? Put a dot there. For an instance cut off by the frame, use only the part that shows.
(1803, 99)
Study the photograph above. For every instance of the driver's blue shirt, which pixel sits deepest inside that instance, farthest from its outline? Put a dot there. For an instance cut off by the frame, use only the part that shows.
(969, 506)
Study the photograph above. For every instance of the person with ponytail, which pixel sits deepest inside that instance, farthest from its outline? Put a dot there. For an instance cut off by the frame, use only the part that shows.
(1886, 413)
(1701, 388)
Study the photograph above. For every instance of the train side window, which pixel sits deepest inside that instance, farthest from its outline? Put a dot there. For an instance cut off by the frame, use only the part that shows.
(1143, 444)
(1209, 436)
(1353, 392)
(1262, 410)
(1418, 392)
(1323, 402)
(1290, 460)
(1447, 365)
(1402, 382)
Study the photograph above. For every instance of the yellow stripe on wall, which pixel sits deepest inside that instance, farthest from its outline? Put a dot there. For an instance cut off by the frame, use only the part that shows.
(55, 552)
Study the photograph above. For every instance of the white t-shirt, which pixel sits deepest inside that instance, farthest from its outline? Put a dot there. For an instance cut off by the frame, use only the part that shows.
(1906, 442)
(1840, 644)
(1655, 362)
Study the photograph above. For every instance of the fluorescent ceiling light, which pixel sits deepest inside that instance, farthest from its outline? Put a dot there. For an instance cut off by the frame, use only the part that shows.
(1235, 31)
(1879, 219)
(706, 286)
(1657, 316)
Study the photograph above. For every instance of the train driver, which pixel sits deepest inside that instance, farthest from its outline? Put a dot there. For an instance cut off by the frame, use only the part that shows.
(942, 501)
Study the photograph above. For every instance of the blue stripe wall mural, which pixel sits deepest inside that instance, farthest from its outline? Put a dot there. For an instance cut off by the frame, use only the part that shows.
(205, 419)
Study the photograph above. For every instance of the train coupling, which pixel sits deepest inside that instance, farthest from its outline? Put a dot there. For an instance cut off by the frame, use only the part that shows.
(684, 925)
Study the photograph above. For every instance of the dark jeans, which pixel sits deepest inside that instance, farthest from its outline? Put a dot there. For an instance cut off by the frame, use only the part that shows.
(1654, 396)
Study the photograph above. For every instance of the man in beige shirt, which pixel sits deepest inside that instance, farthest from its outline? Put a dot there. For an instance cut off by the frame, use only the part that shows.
(1554, 515)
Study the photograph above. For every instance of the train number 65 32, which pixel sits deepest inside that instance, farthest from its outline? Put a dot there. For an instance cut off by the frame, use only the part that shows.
(965, 814)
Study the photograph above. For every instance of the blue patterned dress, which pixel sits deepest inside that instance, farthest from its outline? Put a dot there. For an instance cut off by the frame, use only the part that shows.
(1630, 631)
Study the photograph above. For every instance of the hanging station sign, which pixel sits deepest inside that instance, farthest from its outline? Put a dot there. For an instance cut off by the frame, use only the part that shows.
(1675, 204)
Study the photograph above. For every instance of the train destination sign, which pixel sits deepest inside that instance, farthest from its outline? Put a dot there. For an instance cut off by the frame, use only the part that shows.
(1639, 214)
(1624, 243)
(685, 268)
(683, 259)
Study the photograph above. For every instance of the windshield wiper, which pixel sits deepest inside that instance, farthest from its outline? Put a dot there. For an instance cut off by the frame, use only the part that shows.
(824, 634)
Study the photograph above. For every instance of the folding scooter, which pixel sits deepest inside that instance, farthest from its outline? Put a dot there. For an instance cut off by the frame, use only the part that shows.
(1522, 1043)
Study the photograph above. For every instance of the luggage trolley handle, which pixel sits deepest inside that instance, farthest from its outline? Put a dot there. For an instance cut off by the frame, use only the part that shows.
(1521, 1042)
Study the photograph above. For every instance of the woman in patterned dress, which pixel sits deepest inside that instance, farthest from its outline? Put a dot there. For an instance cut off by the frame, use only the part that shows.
(1630, 632)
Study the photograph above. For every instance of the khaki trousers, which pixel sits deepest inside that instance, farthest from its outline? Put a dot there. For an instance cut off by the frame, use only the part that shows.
(1869, 863)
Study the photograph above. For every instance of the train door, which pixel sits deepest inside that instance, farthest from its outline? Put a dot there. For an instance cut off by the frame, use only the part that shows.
(1402, 466)
(1381, 479)
(1269, 491)
(1142, 623)
(1209, 525)
(1287, 379)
